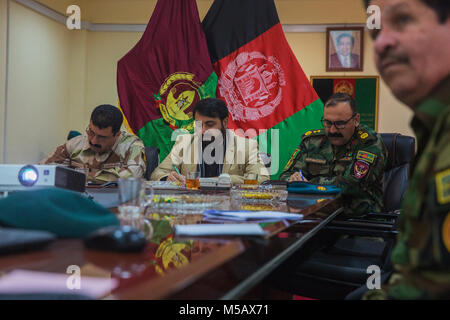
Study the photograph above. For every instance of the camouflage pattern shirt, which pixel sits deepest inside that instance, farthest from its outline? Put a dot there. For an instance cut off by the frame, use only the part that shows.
(421, 256)
(126, 158)
(357, 167)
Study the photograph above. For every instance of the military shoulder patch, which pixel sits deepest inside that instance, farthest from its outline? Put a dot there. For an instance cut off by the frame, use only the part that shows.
(360, 169)
(366, 156)
(311, 133)
(443, 186)
(446, 232)
(364, 135)
(291, 160)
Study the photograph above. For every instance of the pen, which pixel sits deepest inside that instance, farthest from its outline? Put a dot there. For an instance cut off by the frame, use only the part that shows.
(301, 174)
(176, 169)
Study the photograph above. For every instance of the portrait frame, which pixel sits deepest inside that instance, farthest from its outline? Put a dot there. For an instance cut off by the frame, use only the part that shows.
(340, 57)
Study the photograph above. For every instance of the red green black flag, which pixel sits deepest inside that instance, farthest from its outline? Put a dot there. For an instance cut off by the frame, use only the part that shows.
(363, 89)
(259, 76)
(165, 74)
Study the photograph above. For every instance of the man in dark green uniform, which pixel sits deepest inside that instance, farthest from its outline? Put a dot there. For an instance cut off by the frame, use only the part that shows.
(344, 153)
(412, 51)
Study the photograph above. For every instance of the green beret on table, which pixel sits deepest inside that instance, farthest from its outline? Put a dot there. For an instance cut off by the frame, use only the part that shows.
(65, 213)
(309, 188)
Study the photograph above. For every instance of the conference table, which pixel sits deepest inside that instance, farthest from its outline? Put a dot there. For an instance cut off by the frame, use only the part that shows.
(172, 267)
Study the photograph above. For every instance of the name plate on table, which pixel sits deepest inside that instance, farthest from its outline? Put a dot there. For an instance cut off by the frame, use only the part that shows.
(221, 182)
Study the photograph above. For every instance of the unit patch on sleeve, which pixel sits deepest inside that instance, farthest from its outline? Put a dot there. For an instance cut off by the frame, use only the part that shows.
(360, 169)
(443, 186)
(366, 156)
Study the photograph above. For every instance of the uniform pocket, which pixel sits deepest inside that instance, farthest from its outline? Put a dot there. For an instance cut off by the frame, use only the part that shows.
(107, 166)
(317, 166)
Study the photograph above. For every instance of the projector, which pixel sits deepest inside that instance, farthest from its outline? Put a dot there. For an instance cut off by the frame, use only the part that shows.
(19, 177)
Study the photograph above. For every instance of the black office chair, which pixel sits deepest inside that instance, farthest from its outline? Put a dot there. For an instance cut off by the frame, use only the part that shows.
(348, 247)
(152, 156)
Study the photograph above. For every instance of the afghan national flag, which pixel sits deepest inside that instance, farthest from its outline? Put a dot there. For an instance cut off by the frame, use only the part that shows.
(259, 77)
(165, 74)
(363, 89)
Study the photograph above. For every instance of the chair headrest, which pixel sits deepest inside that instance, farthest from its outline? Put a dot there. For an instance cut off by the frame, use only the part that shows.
(401, 149)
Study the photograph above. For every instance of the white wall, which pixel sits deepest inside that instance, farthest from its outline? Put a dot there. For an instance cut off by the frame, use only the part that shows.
(39, 78)
(3, 50)
(104, 51)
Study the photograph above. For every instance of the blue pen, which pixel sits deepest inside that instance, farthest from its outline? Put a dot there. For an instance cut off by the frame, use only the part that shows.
(301, 174)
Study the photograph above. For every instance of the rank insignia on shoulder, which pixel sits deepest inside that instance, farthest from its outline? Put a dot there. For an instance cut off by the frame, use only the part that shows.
(314, 132)
(366, 156)
(443, 186)
(363, 135)
(360, 169)
(446, 232)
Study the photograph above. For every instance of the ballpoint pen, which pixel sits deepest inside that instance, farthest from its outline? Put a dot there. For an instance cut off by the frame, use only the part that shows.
(176, 169)
(301, 174)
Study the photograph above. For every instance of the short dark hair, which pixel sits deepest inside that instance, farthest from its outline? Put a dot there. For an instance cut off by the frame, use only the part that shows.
(441, 7)
(211, 107)
(342, 97)
(348, 35)
(105, 116)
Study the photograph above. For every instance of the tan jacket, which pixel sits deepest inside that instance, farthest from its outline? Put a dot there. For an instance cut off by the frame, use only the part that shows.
(125, 159)
(241, 157)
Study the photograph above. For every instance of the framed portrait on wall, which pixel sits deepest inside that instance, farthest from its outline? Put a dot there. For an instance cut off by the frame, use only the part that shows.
(364, 89)
(345, 49)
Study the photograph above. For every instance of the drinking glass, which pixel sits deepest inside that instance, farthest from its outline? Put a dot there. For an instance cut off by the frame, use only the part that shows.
(192, 180)
(131, 191)
(251, 178)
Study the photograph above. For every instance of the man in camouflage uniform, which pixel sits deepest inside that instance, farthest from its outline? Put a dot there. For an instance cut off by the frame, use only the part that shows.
(105, 152)
(346, 154)
(412, 51)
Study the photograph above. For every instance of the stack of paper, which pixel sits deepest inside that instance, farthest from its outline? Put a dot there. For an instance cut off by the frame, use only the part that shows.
(251, 215)
(241, 229)
(34, 282)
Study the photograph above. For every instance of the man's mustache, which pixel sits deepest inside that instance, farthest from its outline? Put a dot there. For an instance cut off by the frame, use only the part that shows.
(335, 135)
(95, 145)
(390, 57)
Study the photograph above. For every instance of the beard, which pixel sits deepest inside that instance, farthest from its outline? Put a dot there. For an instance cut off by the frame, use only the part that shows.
(213, 146)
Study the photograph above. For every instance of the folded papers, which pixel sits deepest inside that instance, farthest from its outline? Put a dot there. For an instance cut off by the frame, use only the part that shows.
(251, 215)
(240, 229)
(34, 282)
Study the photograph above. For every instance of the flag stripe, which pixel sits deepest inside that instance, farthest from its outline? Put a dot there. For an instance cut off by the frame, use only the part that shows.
(366, 91)
(324, 88)
(158, 134)
(252, 16)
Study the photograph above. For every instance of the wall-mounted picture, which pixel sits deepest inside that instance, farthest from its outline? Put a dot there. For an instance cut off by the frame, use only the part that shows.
(345, 48)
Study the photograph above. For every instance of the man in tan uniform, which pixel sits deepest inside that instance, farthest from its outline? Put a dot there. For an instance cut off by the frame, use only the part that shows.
(203, 151)
(104, 151)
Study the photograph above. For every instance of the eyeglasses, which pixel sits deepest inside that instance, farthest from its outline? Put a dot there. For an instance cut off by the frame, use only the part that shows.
(91, 134)
(341, 124)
